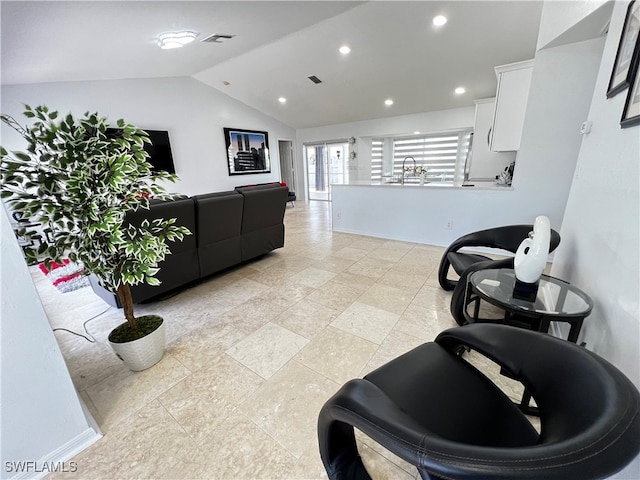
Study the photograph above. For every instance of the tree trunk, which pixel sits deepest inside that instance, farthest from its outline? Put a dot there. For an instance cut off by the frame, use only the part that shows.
(124, 294)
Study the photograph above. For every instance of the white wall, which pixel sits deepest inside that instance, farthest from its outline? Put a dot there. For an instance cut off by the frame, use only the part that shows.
(42, 417)
(560, 17)
(561, 90)
(193, 113)
(601, 231)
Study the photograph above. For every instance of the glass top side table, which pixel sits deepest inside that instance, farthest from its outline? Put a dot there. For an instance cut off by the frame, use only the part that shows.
(556, 300)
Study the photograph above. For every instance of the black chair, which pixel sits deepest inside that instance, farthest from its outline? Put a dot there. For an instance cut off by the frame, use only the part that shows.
(506, 238)
(436, 411)
(292, 198)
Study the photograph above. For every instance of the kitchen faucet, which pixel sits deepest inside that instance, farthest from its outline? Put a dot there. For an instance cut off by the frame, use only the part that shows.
(414, 168)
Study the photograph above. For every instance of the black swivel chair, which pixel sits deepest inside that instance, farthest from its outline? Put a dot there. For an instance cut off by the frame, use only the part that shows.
(506, 238)
(436, 411)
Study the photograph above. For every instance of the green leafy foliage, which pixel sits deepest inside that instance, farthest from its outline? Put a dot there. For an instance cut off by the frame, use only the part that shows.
(79, 184)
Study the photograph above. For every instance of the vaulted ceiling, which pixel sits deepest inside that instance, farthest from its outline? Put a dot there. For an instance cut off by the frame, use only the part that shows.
(396, 51)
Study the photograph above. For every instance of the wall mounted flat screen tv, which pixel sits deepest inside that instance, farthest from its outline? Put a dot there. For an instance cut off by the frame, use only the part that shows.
(159, 150)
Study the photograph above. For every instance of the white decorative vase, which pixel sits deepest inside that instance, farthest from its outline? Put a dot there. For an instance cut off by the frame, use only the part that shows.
(142, 353)
(531, 256)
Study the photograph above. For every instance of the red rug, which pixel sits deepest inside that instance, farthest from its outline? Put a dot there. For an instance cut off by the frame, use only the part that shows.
(66, 276)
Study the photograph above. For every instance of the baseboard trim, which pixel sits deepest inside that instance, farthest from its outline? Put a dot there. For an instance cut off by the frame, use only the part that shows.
(58, 460)
(382, 236)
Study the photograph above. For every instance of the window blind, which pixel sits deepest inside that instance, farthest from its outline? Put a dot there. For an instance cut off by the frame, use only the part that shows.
(443, 155)
(376, 160)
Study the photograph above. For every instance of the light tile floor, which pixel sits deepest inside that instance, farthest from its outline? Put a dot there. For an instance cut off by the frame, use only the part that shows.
(252, 355)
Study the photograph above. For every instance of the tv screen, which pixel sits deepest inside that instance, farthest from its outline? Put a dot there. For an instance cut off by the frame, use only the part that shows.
(159, 149)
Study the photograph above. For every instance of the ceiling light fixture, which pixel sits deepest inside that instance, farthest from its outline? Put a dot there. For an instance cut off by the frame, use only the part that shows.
(170, 40)
(282, 100)
(388, 102)
(460, 90)
(345, 50)
(439, 20)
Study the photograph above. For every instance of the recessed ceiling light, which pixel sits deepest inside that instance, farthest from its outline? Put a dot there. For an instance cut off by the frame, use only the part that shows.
(344, 50)
(439, 20)
(170, 40)
(460, 90)
(416, 132)
(282, 100)
(388, 102)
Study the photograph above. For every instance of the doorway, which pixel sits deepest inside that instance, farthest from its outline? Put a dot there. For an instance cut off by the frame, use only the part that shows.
(287, 168)
(327, 164)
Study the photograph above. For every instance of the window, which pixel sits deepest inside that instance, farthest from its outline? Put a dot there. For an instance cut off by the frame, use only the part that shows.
(376, 159)
(443, 155)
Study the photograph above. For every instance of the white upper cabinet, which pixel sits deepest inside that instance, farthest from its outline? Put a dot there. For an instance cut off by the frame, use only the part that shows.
(514, 81)
(484, 164)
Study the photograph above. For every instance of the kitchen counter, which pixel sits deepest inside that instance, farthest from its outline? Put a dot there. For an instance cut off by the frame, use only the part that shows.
(434, 213)
(492, 185)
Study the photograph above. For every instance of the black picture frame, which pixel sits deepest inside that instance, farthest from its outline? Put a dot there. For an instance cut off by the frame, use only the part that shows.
(247, 151)
(622, 73)
(631, 111)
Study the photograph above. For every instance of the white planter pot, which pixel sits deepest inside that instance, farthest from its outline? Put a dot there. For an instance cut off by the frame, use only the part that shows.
(142, 353)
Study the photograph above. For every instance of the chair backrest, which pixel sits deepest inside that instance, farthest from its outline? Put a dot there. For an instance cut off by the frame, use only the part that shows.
(589, 411)
(507, 238)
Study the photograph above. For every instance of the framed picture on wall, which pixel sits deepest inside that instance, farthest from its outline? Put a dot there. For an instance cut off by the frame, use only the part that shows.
(622, 73)
(247, 151)
(631, 112)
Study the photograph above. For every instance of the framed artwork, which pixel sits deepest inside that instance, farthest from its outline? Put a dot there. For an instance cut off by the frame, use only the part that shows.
(622, 73)
(247, 151)
(631, 112)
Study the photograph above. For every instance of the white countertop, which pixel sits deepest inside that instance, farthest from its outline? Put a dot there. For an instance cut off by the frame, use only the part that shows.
(469, 186)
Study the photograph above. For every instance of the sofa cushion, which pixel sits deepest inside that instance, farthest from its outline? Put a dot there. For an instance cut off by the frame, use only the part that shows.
(219, 216)
(219, 220)
(262, 220)
(263, 207)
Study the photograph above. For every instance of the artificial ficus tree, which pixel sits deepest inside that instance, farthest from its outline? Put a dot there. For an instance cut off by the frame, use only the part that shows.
(79, 178)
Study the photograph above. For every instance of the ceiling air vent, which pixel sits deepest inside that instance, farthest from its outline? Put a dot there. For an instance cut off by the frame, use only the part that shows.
(217, 38)
(314, 79)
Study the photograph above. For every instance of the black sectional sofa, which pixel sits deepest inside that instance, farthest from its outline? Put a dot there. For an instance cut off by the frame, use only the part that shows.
(227, 228)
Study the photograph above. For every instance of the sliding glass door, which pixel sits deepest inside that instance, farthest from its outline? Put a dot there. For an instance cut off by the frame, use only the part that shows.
(327, 164)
